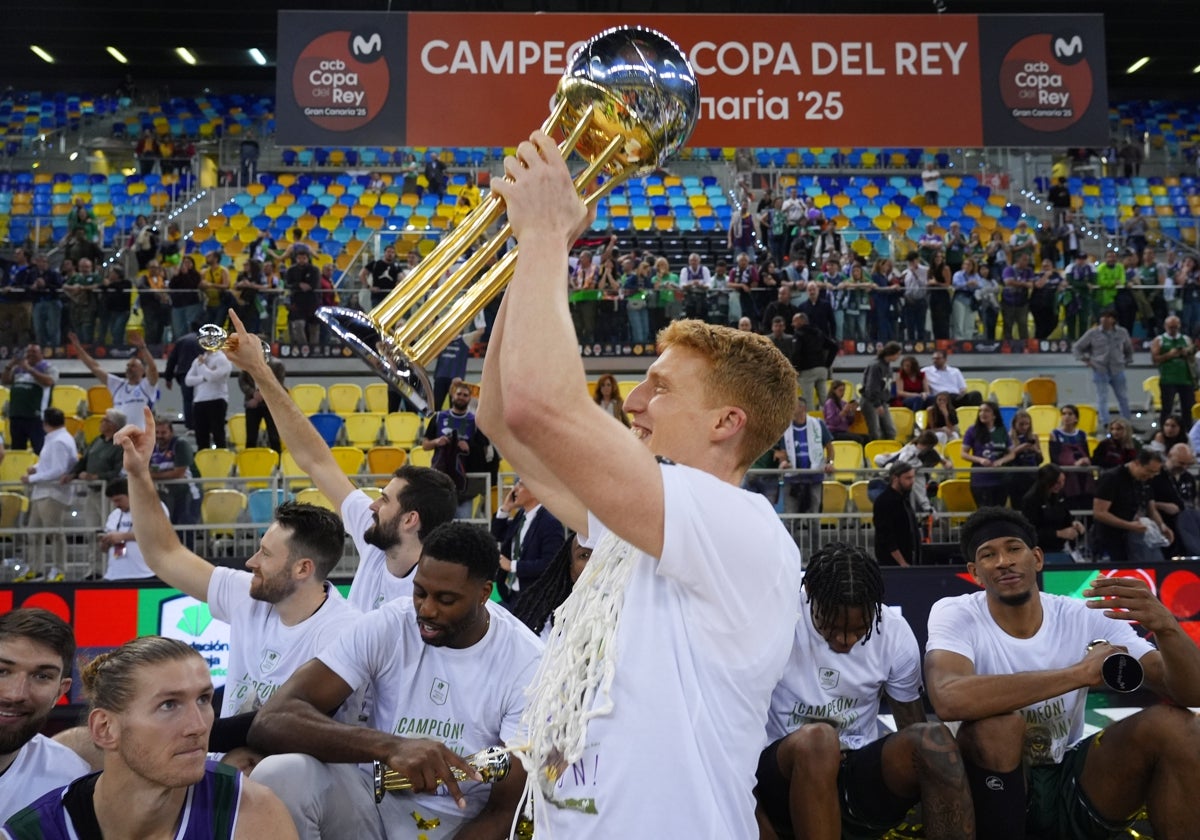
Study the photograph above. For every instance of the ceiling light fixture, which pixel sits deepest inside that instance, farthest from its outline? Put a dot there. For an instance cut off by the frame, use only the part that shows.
(186, 55)
(42, 54)
(1139, 64)
(117, 54)
(259, 58)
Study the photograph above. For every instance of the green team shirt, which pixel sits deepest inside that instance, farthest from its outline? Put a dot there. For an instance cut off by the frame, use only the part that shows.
(1177, 371)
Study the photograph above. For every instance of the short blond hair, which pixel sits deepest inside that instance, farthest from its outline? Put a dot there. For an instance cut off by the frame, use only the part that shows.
(746, 370)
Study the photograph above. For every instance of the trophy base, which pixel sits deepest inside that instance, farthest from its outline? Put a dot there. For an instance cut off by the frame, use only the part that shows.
(363, 336)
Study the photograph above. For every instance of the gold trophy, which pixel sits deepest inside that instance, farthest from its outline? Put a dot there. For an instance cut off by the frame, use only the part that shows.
(627, 102)
(492, 764)
(214, 338)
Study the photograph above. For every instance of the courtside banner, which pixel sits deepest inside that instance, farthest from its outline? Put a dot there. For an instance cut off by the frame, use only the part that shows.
(765, 80)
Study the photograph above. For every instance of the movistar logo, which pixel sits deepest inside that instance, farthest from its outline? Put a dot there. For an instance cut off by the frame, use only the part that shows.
(365, 47)
(1065, 49)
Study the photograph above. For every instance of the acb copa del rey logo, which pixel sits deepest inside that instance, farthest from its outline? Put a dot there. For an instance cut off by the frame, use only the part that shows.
(341, 79)
(1046, 81)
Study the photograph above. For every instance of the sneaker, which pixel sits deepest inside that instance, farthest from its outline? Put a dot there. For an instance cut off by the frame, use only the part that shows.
(28, 577)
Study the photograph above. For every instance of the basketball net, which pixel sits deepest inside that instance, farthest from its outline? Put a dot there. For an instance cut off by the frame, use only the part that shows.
(572, 682)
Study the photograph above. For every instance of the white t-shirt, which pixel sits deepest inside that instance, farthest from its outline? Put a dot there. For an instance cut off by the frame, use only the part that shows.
(263, 651)
(963, 625)
(41, 766)
(130, 564)
(373, 584)
(468, 699)
(820, 684)
(948, 380)
(704, 634)
(129, 399)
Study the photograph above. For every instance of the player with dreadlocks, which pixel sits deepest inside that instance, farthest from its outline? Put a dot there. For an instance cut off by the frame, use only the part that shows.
(537, 604)
(824, 771)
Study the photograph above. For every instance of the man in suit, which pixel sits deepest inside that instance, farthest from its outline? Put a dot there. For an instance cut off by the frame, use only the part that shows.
(530, 537)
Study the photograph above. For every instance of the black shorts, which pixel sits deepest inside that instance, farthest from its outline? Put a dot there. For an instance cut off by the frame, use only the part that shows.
(869, 809)
(1058, 809)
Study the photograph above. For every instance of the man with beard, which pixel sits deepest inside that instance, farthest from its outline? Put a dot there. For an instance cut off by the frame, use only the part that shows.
(447, 671)
(897, 535)
(281, 612)
(36, 652)
(451, 433)
(1015, 665)
(386, 531)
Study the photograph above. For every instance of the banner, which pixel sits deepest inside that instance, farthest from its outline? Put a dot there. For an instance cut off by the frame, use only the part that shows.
(442, 79)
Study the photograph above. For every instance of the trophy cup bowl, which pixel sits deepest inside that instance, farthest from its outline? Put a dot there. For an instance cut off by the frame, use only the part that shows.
(492, 764)
(214, 338)
(627, 102)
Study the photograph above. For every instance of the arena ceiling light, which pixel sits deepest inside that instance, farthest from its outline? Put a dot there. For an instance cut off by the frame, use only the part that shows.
(1196, 69)
(117, 54)
(1138, 65)
(186, 55)
(259, 58)
(42, 54)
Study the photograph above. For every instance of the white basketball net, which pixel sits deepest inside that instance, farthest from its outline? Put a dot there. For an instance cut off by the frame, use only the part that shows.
(576, 672)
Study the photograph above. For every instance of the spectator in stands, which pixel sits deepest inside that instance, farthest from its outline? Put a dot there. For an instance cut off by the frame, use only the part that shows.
(897, 534)
(781, 308)
(1058, 531)
(942, 419)
(1170, 434)
(876, 393)
(784, 342)
(216, 288)
(1022, 242)
(773, 221)
(1118, 448)
(1027, 452)
(1069, 448)
(583, 284)
(248, 151)
(818, 310)
(530, 538)
(986, 445)
(997, 255)
(610, 327)
(930, 244)
(49, 498)
(1123, 500)
(1078, 297)
(909, 387)
(184, 351)
(208, 375)
(186, 304)
(100, 462)
(915, 307)
(740, 283)
(81, 285)
(1175, 497)
(44, 287)
(1110, 278)
(30, 378)
(830, 281)
(256, 410)
(931, 183)
(841, 413)
(1135, 228)
(941, 377)
(885, 297)
(172, 465)
(1107, 350)
(1014, 300)
(379, 276)
(147, 152)
(857, 304)
(303, 282)
(155, 302)
(435, 175)
(38, 652)
(122, 554)
(115, 306)
(144, 242)
(1044, 300)
(696, 280)
(450, 433)
(956, 249)
(664, 301)
(965, 282)
(813, 354)
(607, 394)
(637, 287)
(742, 235)
(1173, 353)
(1059, 197)
(248, 288)
(1187, 281)
(807, 446)
(138, 387)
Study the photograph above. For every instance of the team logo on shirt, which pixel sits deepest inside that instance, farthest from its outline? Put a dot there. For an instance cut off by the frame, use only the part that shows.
(268, 662)
(828, 678)
(439, 692)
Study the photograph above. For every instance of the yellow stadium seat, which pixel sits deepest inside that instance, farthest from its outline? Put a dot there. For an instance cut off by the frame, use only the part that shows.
(1089, 418)
(313, 496)
(403, 428)
(308, 396)
(362, 429)
(237, 431)
(1042, 390)
(835, 498)
(953, 451)
(215, 463)
(847, 455)
(967, 415)
(257, 462)
(344, 397)
(91, 427)
(880, 447)
(419, 457)
(222, 506)
(861, 500)
(296, 478)
(16, 463)
(376, 397)
(1006, 391)
(71, 400)
(956, 495)
(385, 460)
(1153, 395)
(904, 420)
(349, 458)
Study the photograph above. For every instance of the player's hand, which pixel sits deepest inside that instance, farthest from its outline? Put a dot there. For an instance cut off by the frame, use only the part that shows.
(427, 764)
(1092, 663)
(138, 444)
(244, 349)
(538, 193)
(1128, 599)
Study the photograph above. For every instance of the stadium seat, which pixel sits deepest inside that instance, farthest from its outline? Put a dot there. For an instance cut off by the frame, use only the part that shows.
(349, 458)
(880, 447)
(835, 499)
(967, 415)
(1007, 391)
(847, 455)
(418, 457)
(257, 462)
(261, 506)
(362, 429)
(1153, 396)
(313, 496)
(215, 463)
(385, 460)
(957, 498)
(72, 400)
(16, 463)
(329, 426)
(1045, 419)
(237, 431)
(344, 397)
(1041, 390)
(862, 501)
(309, 396)
(904, 420)
(376, 397)
(403, 428)
(953, 451)
(294, 477)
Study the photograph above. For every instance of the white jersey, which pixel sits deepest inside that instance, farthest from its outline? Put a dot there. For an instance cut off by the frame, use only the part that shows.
(40, 766)
(703, 638)
(129, 399)
(263, 651)
(468, 699)
(963, 625)
(843, 688)
(373, 584)
(125, 562)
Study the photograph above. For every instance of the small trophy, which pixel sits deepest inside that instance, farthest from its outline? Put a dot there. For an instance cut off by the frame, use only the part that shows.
(1120, 671)
(492, 764)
